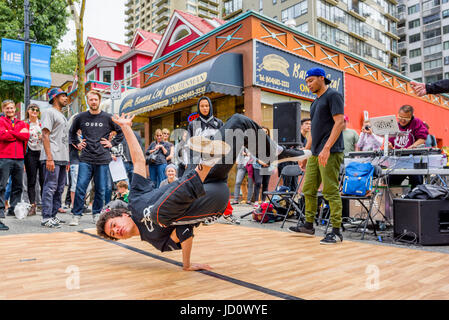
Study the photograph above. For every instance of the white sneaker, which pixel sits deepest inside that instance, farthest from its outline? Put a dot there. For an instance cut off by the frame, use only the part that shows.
(95, 218)
(75, 221)
(211, 150)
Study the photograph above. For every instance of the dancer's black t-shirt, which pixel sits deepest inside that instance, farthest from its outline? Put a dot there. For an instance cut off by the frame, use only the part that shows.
(142, 195)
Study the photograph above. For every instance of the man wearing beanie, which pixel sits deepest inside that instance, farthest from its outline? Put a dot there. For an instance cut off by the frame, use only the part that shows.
(327, 146)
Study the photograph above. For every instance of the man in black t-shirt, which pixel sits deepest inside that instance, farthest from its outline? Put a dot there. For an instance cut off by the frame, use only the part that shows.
(326, 143)
(165, 216)
(96, 127)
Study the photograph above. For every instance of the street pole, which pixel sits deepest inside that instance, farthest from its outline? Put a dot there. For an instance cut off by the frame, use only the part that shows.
(26, 5)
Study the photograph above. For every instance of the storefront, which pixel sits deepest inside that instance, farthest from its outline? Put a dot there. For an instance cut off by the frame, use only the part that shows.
(252, 62)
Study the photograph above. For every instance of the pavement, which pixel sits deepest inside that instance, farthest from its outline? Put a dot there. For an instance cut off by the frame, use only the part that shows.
(32, 224)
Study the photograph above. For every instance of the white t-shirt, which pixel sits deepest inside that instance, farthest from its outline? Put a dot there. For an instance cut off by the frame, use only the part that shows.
(56, 123)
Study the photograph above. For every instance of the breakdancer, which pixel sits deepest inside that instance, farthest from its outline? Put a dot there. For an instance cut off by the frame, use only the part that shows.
(165, 217)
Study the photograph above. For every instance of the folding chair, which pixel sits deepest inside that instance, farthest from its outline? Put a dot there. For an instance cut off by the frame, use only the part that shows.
(284, 201)
(370, 197)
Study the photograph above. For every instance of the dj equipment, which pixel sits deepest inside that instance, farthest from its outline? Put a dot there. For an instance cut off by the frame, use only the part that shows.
(414, 152)
(287, 120)
(396, 152)
(426, 221)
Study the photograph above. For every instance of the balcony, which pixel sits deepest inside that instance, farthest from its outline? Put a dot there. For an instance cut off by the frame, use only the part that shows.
(160, 9)
(161, 17)
(356, 15)
(433, 72)
(431, 26)
(401, 31)
(232, 14)
(129, 19)
(402, 16)
(129, 3)
(433, 56)
(392, 35)
(160, 26)
(431, 42)
(332, 2)
(432, 11)
(159, 2)
(203, 5)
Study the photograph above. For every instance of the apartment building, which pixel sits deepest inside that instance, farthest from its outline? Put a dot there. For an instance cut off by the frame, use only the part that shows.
(367, 28)
(423, 29)
(153, 15)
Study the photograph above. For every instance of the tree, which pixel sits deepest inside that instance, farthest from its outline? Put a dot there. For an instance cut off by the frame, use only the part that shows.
(64, 61)
(48, 26)
(78, 18)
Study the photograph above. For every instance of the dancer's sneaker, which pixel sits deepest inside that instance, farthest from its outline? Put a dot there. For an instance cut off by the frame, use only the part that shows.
(211, 150)
(293, 155)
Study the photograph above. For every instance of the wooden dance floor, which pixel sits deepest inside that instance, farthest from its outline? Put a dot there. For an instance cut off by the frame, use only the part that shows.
(248, 263)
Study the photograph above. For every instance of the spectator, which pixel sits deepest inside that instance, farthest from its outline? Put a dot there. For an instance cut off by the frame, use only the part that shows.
(166, 137)
(205, 125)
(96, 127)
(162, 150)
(327, 146)
(262, 173)
(368, 141)
(182, 154)
(55, 157)
(431, 141)
(122, 191)
(33, 152)
(170, 172)
(242, 161)
(305, 130)
(350, 138)
(14, 135)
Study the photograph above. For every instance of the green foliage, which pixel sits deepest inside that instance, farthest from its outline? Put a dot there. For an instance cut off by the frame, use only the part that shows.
(64, 61)
(48, 25)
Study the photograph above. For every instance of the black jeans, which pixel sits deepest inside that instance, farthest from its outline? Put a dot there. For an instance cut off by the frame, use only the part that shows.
(33, 167)
(261, 182)
(13, 168)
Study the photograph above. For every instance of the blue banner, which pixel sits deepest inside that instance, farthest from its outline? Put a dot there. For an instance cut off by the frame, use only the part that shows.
(12, 60)
(285, 72)
(40, 56)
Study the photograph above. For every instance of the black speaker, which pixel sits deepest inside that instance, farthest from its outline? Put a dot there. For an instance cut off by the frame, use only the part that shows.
(287, 120)
(427, 220)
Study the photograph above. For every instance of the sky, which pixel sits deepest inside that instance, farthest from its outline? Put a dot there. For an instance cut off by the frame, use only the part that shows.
(103, 19)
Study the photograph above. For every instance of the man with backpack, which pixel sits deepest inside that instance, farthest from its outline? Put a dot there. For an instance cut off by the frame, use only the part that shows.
(327, 146)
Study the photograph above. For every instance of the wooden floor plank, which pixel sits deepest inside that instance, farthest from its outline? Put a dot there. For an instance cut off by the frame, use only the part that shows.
(40, 266)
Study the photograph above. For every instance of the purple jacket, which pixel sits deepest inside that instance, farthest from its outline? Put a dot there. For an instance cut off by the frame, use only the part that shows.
(415, 130)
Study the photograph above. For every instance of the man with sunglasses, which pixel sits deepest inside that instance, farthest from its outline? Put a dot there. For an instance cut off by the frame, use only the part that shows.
(414, 135)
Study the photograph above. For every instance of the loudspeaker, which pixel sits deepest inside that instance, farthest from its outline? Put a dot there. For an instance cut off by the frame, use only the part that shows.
(287, 120)
(428, 220)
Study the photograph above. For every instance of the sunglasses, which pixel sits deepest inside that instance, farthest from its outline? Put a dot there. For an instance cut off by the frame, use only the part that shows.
(34, 109)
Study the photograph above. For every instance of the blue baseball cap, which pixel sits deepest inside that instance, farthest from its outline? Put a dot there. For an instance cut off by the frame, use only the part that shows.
(53, 93)
(318, 72)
